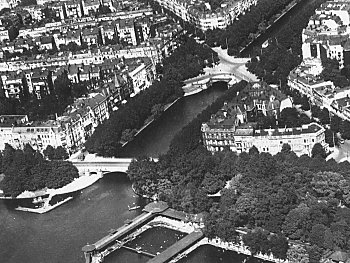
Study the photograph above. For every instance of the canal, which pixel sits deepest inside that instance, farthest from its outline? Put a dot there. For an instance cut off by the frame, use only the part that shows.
(58, 236)
(275, 28)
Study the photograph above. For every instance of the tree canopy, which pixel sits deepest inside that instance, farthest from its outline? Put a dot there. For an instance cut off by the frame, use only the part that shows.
(27, 170)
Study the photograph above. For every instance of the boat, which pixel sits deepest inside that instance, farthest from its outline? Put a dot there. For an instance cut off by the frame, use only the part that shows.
(134, 207)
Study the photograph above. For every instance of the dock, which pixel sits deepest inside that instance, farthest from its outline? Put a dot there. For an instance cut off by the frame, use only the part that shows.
(178, 247)
(140, 220)
(44, 209)
(95, 252)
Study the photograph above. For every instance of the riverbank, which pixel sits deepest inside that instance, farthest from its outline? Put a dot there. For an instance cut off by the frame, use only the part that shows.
(76, 185)
(44, 202)
(166, 107)
(259, 34)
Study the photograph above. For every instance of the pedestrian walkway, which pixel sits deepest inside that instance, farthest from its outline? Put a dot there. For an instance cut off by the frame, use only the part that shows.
(178, 247)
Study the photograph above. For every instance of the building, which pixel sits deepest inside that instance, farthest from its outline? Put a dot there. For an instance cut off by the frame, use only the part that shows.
(226, 134)
(70, 130)
(4, 34)
(126, 31)
(8, 4)
(90, 36)
(142, 73)
(17, 131)
(200, 14)
(72, 9)
(320, 92)
(328, 33)
(234, 125)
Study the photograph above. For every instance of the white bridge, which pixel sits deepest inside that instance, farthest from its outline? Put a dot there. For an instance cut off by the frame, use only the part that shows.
(104, 166)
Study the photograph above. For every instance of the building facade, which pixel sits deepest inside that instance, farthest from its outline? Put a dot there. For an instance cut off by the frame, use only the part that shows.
(241, 139)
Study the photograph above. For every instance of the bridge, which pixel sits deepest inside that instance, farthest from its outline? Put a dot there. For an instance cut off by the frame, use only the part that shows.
(199, 83)
(104, 166)
(95, 164)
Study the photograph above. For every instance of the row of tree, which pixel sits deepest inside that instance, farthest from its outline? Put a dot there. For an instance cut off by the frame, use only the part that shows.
(284, 51)
(187, 61)
(27, 170)
(241, 32)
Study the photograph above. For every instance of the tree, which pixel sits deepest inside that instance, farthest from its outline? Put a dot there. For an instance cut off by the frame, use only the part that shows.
(24, 90)
(318, 151)
(79, 89)
(256, 240)
(60, 153)
(253, 150)
(212, 183)
(286, 148)
(49, 152)
(7, 156)
(102, 10)
(317, 235)
(329, 185)
(297, 254)
(128, 135)
(296, 223)
(315, 254)
(279, 246)
(62, 173)
(331, 138)
(63, 88)
(289, 117)
(344, 129)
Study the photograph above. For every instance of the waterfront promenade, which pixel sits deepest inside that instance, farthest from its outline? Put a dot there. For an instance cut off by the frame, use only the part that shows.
(176, 248)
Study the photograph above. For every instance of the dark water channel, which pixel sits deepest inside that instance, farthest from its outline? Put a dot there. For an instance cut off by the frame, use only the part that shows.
(275, 28)
(58, 236)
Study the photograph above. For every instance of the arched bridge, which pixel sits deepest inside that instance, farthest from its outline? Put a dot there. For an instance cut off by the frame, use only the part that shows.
(204, 81)
(104, 166)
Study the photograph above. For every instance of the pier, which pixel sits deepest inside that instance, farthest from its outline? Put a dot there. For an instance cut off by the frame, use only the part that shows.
(178, 247)
(149, 212)
(110, 243)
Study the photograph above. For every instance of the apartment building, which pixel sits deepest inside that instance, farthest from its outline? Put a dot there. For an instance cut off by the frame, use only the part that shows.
(328, 33)
(200, 13)
(17, 131)
(305, 79)
(226, 133)
(70, 130)
(234, 125)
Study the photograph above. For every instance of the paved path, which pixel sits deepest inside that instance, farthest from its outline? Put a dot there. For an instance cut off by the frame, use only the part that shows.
(342, 153)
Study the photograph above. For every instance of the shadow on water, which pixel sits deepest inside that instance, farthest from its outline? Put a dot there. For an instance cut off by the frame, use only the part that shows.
(156, 138)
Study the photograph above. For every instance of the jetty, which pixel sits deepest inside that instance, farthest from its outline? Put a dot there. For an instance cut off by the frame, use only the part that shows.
(178, 247)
